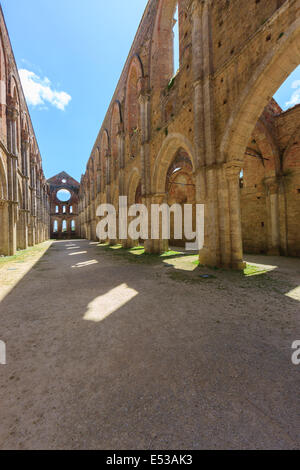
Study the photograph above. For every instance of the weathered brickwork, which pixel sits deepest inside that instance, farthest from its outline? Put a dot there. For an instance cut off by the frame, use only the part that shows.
(272, 171)
(24, 198)
(63, 214)
(234, 55)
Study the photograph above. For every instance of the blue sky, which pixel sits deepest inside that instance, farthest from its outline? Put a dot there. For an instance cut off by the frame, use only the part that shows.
(70, 54)
(80, 47)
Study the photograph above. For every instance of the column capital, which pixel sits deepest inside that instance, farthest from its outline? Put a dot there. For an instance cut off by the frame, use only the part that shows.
(12, 113)
(233, 169)
(272, 184)
(144, 97)
(121, 131)
(196, 7)
(25, 144)
(3, 202)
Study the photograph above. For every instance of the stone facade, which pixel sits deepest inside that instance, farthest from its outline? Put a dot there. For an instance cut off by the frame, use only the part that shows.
(63, 214)
(233, 57)
(270, 185)
(24, 197)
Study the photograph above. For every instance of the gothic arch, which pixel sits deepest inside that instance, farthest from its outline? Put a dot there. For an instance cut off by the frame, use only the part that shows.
(162, 60)
(294, 140)
(104, 149)
(268, 148)
(116, 120)
(165, 157)
(133, 89)
(3, 180)
(133, 182)
(269, 75)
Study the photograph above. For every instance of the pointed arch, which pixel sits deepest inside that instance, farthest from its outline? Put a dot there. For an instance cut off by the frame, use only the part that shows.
(162, 46)
(104, 151)
(133, 88)
(292, 143)
(132, 185)
(3, 180)
(116, 120)
(269, 75)
(165, 157)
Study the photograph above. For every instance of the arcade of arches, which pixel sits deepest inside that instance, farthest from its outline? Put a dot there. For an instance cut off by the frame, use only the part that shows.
(207, 133)
(24, 193)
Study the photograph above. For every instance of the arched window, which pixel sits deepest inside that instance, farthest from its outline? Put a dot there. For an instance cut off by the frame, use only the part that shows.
(64, 226)
(135, 75)
(103, 156)
(165, 48)
(132, 112)
(115, 123)
(64, 209)
(57, 210)
(98, 170)
(71, 209)
(55, 226)
(73, 226)
(176, 41)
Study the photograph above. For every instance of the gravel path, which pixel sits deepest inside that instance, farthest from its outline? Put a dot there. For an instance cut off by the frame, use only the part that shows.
(106, 354)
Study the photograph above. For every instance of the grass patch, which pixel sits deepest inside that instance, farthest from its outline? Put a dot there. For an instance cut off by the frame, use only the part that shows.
(23, 255)
(252, 270)
(137, 254)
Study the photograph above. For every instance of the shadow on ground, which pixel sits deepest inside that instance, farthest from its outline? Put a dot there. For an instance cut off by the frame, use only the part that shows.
(107, 354)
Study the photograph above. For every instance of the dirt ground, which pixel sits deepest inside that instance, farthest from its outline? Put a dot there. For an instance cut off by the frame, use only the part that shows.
(105, 353)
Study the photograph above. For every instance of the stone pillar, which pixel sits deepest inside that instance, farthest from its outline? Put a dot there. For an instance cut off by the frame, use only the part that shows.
(12, 203)
(4, 225)
(22, 228)
(108, 177)
(273, 203)
(232, 171)
(159, 245)
(197, 69)
(144, 101)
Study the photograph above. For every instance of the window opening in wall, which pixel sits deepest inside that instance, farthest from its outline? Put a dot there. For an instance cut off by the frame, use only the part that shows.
(242, 179)
(176, 40)
(288, 95)
(71, 209)
(64, 209)
(55, 226)
(63, 195)
(64, 226)
(57, 209)
(73, 225)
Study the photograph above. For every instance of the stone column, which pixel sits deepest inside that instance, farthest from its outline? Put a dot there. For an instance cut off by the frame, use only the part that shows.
(4, 225)
(144, 101)
(159, 245)
(197, 69)
(108, 176)
(232, 171)
(273, 203)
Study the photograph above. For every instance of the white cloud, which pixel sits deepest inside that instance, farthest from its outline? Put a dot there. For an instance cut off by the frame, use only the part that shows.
(38, 91)
(296, 84)
(295, 97)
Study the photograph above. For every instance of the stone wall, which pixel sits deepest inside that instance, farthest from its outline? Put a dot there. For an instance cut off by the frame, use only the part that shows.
(24, 196)
(63, 214)
(233, 57)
